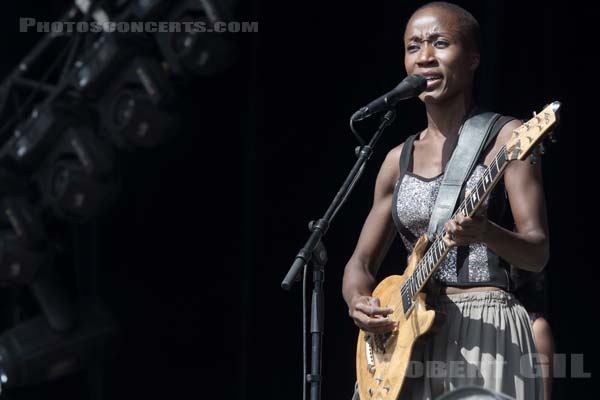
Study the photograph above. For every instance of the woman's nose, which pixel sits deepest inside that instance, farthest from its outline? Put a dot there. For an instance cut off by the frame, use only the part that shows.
(426, 54)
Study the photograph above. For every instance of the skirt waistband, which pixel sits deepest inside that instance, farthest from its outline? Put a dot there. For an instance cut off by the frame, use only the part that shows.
(492, 296)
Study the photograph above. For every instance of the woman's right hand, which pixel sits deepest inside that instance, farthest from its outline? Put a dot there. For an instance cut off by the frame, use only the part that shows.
(369, 316)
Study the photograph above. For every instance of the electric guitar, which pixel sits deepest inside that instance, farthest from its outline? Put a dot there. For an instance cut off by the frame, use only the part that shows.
(382, 359)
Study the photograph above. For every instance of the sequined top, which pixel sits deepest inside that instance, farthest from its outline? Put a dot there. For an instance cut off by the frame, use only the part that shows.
(472, 265)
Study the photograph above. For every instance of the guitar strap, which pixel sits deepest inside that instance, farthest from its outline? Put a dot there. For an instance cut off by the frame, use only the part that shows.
(472, 136)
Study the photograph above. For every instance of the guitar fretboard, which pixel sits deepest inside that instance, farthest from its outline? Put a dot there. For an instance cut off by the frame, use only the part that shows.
(438, 250)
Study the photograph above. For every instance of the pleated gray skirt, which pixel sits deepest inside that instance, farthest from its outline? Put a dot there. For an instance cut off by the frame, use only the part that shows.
(486, 340)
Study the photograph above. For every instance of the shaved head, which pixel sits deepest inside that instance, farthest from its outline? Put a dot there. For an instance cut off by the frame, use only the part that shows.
(465, 22)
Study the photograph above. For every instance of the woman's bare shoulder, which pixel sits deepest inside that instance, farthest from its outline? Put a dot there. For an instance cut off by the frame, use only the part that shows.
(507, 130)
(392, 160)
(390, 168)
(501, 139)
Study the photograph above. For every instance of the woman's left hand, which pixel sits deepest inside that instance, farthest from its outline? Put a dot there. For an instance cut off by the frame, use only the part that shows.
(463, 230)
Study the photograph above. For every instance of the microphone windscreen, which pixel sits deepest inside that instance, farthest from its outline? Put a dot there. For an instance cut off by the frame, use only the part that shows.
(419, 82)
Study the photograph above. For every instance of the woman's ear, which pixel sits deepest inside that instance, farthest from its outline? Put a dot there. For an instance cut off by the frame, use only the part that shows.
(475, 59)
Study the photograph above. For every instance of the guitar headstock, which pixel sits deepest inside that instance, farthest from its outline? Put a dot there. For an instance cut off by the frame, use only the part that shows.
(529, 135)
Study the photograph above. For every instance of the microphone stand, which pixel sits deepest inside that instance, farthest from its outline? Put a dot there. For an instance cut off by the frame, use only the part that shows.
(314, 252)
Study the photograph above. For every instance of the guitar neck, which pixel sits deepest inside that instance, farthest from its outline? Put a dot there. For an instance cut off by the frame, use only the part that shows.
(438, 250)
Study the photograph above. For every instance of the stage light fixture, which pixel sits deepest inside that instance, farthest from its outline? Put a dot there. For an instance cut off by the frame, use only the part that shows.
(192, 53)
(132, 120)
(96, 157)
(73, 194)
(108, 54)
(151, 76)
(22, 265)
(36, 134)
(19, 212)
(32, 352)
(77, 178)
(19, 264)
(136, 111)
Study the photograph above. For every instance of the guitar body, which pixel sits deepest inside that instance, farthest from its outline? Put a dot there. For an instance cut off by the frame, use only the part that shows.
(380, 369)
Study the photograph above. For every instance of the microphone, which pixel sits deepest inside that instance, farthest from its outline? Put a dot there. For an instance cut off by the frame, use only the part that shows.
(411, 86)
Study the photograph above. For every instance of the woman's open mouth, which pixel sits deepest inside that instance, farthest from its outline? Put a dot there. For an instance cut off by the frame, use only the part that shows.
(433, 81)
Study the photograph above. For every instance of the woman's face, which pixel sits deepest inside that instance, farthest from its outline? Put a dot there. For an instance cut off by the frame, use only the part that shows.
(434, 47)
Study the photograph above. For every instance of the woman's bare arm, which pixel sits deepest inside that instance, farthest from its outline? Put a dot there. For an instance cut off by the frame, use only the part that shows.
(528, 246)
(375, 238)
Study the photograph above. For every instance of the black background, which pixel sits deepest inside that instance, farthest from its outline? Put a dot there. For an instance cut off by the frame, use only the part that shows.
(192, 256)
